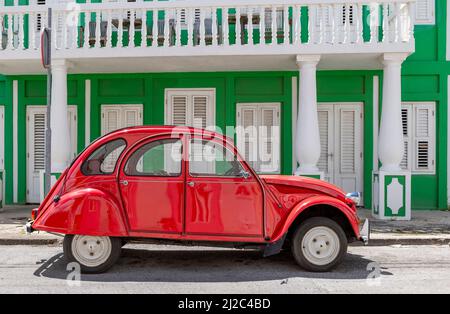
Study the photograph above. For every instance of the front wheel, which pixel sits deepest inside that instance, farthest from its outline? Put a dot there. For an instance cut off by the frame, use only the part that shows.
(319, 244)
(94, 254)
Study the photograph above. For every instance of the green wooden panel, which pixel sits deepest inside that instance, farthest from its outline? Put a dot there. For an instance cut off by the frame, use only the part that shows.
(424, 192)
(337, 85)
(259, 86)
(120, 87)
(416, 84)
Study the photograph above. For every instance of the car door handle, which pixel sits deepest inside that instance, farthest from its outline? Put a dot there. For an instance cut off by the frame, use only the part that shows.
(191, 184)
(124, 182)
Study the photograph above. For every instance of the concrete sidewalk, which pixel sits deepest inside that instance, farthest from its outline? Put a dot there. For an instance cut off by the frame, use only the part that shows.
(426, 228)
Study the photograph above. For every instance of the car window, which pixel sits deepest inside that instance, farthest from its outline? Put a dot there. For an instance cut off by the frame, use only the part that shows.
(160, 158)
(208, 158)
(104, 159)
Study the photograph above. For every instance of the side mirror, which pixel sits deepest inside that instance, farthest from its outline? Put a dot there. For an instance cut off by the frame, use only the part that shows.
(244, 174)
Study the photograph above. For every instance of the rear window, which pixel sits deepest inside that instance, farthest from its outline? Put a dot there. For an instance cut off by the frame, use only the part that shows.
(104, 159)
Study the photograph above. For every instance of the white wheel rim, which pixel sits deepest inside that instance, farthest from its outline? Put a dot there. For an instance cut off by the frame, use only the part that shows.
(91, 251)
(321, 246)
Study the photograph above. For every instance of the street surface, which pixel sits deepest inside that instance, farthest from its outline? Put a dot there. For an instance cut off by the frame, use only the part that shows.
(177, 269)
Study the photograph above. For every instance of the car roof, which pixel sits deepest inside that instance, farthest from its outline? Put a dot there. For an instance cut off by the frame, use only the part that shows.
(148, 130)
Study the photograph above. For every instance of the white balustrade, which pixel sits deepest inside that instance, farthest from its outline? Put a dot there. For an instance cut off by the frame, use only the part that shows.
(204, 24)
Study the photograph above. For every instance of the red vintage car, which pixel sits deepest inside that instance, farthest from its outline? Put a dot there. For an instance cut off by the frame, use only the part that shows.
(186, 185)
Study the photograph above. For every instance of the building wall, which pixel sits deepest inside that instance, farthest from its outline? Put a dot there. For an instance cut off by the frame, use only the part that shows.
(425, 75)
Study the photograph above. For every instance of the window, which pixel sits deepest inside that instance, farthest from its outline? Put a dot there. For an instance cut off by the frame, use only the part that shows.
(190, 107)
(103, 160)
(161, 158)
(418, 120)
(208, 158)
(258, 135)
(425, 12)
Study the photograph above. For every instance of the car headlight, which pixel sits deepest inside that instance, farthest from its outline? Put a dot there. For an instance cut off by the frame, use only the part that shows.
(355, 197)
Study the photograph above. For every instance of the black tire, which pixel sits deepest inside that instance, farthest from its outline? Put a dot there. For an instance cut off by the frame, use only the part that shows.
(299, 235)
(116, 248)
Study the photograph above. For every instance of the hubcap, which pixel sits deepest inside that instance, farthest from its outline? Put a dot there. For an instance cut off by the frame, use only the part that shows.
(320, 246)
(91, 251)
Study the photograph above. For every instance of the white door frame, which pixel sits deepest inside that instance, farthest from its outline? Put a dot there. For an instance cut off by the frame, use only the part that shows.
(334, 140)
(30, 140)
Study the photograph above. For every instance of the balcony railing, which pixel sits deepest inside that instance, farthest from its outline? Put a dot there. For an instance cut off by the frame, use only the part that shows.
(253, 26)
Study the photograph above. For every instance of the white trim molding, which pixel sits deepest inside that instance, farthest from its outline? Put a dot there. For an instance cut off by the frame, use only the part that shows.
(294, 118)
(15, 142)
(448, 31)
(87, 112)
(376, 108)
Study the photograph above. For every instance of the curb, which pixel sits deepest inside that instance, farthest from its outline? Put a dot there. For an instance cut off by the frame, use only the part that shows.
(378, 241)
(409, 241)
(29, 241)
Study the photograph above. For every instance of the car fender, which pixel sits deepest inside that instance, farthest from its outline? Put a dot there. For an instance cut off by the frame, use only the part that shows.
(86, 211)
(318, 200)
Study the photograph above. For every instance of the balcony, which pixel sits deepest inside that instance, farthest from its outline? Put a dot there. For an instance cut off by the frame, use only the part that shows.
(206, 35)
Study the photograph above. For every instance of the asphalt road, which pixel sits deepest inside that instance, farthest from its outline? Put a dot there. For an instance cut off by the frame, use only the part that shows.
(173, 269)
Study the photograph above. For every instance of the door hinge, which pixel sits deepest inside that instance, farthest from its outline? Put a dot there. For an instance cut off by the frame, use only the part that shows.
(360, 155)
(28, 191)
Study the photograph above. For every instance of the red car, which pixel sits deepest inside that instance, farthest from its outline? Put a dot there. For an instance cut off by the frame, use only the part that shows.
(191, 185)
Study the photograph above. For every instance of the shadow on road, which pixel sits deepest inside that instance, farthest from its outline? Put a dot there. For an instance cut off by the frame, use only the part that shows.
(138, 265)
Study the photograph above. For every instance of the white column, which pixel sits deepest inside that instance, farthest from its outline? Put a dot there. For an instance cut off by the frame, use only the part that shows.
(59, 123)
(390, 145)
(307, 138)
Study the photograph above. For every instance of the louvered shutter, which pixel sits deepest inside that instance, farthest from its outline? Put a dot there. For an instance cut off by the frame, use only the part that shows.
(348, 140)
(425, 12)
(72, 121)
(406, 121)
(258, 136)
(200, 111)
(419, 137)
(132, 116)
(38, 121)
(178, 107)
(325, 116)
(246, 134)
(111, 120)
(424, 137)
(269, 143)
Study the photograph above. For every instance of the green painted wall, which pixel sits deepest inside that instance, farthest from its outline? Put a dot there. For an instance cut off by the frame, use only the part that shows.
(425, 79)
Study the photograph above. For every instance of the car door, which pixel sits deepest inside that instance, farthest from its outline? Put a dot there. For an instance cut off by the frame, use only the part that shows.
(222, 198)
(152, 186)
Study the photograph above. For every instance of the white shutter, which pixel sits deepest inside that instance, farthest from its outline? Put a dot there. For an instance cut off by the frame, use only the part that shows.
(406, 126)
(424, 137)
(38, 122)
(116, 117)
(110, 119)
(347, 134)
(258, 135)
(425, 12)
(132, 116)
(419, 131)
(246, 134)
(72, 121)
(178, 107)
(190, 107)
(325, 116)
(200, 111)
(269, 139)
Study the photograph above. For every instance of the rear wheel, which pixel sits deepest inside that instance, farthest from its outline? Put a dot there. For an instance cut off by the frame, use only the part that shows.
(94, 254)
(319, 244)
